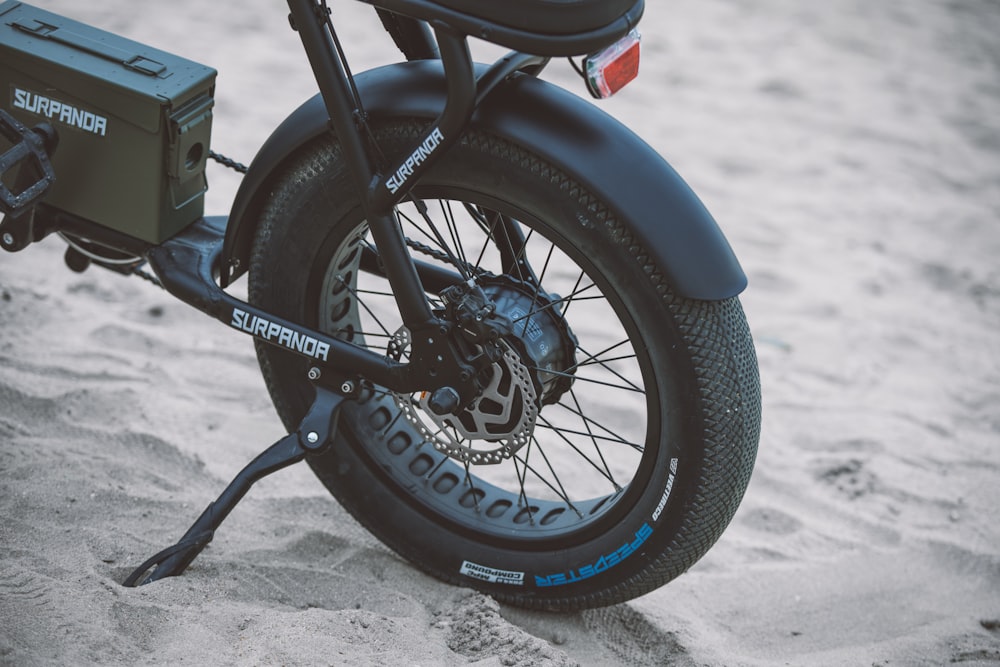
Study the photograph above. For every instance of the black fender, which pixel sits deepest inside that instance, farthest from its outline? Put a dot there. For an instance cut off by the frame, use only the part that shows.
(636, 184)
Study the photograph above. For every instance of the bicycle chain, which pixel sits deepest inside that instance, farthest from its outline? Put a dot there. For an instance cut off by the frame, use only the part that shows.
(228, 162)
(444, 257)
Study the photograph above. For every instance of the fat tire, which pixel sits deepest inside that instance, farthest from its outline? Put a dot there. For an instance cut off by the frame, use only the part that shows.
(706, 395)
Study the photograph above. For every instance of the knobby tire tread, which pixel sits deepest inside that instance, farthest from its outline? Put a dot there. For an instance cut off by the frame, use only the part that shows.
(722, 359)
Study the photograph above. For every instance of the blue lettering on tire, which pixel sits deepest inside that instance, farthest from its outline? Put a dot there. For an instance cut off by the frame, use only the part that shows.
(602, 564)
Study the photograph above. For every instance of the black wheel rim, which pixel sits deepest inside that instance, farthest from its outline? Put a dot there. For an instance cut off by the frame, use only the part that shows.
(592, 450)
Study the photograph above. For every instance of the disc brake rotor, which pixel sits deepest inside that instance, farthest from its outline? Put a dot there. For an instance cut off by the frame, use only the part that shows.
(497, 424)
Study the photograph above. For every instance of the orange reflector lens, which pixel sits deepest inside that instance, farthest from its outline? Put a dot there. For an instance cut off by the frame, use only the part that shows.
(608, 71)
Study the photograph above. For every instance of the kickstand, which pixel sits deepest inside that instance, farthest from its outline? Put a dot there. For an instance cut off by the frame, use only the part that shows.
(314, 435)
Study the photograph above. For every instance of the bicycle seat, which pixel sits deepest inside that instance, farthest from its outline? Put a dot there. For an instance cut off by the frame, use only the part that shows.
(554, 17)
(540, 27)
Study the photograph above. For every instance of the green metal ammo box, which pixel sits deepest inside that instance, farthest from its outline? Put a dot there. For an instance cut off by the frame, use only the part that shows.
(134, 123)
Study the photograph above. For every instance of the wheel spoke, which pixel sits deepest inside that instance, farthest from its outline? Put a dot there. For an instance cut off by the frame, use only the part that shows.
(564, 460)
(605, 360)
(574, 296)
(364, 305)
(370, 292)
(522, 474)
(456, 242)
(593, 437)
(576, 378)
(611, 436)
(504, 232)
(595, 359)
(559, 432)
(488, 228)
(469, 479)
(561, 491)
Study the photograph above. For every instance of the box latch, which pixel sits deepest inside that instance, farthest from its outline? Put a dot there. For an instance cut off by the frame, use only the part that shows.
(133, 61)
(190, 133)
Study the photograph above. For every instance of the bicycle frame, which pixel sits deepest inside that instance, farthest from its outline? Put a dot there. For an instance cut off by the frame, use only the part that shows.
(434, 354)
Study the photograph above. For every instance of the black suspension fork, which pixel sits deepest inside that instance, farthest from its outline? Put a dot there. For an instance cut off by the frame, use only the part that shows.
(380, 192)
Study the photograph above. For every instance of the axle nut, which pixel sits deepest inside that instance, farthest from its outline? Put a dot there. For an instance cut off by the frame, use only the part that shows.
(444, 401)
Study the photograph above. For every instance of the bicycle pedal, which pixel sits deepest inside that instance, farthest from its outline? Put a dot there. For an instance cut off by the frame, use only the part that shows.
(29, 155)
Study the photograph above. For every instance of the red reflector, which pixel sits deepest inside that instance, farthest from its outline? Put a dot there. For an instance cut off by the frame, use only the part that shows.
(608, 71)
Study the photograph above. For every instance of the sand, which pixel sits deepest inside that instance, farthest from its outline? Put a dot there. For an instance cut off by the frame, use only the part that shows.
(851, 152)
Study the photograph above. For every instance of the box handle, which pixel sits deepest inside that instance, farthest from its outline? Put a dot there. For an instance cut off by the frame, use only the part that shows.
(132, 61)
